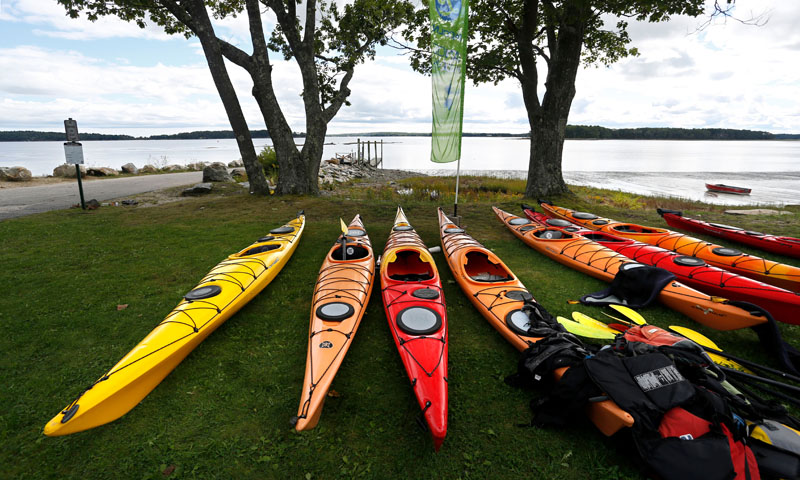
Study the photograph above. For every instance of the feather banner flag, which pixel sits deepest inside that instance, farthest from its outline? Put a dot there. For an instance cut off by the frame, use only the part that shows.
(448, 69)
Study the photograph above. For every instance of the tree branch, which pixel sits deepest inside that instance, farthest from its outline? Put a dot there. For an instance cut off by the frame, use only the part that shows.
(235, 55)
(288, 23)
(311, 24)
(180, 13)
(260, 49)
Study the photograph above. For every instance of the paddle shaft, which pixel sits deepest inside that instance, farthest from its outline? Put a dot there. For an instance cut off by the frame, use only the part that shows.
(757, 366)
(768, 381)
(740, 383)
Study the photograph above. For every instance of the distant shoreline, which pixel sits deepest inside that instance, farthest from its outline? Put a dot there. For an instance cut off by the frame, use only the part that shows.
(573, 132)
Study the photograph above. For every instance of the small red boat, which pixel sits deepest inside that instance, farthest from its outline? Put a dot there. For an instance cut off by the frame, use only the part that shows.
(718, 187)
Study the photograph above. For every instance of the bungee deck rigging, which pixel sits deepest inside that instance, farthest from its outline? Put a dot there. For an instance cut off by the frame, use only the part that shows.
(508, 306)
(222, 292)
(340, 297)
(415, 309)
(782, 304)
(779, 274)
(589, 257)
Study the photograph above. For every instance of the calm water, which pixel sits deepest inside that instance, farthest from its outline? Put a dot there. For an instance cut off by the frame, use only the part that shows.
(678, 168)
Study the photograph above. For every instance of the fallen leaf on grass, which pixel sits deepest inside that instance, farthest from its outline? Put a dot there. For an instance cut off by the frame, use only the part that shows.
(333, 394)
(168, 471)
(122, 307)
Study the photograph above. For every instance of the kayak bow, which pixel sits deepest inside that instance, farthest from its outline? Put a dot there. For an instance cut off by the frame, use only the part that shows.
(414, 303)
(220, 294)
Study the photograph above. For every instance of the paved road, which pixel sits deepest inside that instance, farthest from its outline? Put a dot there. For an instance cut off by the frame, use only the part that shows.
(17, 202)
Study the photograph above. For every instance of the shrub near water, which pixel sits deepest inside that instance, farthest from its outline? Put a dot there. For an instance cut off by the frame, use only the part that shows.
(269, 162)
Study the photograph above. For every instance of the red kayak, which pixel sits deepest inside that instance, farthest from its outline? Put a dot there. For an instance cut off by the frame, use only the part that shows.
(782, 304)
(414, 302)
(718, 187)
(789, 246)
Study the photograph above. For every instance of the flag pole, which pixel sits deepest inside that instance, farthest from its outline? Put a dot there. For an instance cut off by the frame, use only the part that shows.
(458, 172)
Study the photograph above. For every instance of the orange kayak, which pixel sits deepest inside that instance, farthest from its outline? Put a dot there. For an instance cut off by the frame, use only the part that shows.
(591, 258)
(731, 259)
(500, 297)
(340, 298)
(414, 303)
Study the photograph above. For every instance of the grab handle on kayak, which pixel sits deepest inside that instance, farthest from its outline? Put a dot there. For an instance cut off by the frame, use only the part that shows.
(598, 399)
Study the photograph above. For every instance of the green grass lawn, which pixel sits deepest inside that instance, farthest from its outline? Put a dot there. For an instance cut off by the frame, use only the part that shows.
(224, 412)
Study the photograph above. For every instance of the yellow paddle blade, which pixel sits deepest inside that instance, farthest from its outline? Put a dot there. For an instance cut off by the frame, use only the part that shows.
(584, 331)
(343, 225)
(704, 341)
(627, 322)
(584, 319)
(630, 313)
(695, 336)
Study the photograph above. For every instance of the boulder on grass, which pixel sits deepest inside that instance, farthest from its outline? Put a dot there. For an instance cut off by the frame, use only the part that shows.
(196, 166)
(130, 168)
(236, 163)
(197, 190)
(216, 172)
(101, 172)
(15, 174)
(148, 169)
(174, 168)
(238, 172)
(67, 170)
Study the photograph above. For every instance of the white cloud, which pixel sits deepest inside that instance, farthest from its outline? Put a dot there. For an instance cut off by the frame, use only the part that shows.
(728, 75)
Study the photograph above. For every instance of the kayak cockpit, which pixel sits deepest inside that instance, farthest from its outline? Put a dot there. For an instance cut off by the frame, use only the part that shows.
(351, 252)
(633, 228)
(480, 268)
(409, 266)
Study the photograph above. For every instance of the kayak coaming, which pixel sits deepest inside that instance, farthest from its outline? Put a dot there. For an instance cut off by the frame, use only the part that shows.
(495, 306)
(240, 277)
(782, 304)
(342, 281)
(782, 245)
(774, 273)
(589, 257)
(424, 356)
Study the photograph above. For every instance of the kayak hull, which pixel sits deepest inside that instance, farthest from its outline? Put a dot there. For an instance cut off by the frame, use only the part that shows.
(497, 300)
(787, 246)
(591, 258)
(782, 304)
(411, 286)
(774, 273)
(231, 285)
(340, 298)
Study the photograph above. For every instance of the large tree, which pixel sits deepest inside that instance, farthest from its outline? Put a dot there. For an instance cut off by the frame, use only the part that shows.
(326, 44)
(535, 40)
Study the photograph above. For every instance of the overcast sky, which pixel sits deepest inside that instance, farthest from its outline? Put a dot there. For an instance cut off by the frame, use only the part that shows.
(114, 77)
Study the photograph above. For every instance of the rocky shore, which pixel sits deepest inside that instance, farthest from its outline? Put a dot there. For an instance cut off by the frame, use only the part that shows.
(331, 172)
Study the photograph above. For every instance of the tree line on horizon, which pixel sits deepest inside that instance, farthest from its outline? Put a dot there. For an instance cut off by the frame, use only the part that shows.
(587, 132)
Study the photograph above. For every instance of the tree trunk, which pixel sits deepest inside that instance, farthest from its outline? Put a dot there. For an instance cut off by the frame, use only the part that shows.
(216, 64)
(544, 168)
(548, 121)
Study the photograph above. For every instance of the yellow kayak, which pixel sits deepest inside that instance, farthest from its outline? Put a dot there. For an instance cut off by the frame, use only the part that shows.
(220, 294)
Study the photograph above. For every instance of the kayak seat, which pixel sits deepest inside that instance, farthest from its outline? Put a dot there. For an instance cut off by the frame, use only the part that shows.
(551, 234)
(408, 267)
(481, 269)
(353, 252)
